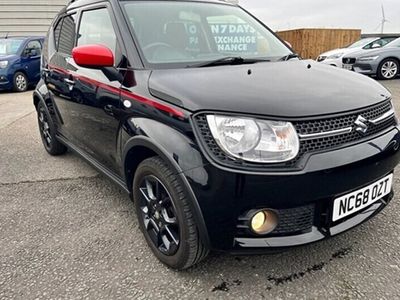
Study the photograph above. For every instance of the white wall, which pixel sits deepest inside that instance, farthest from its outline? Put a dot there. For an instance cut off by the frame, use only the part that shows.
(28, 17)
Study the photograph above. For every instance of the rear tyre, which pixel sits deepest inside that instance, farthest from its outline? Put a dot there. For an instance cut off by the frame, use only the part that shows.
(165, 216)
(388, 69)
(48, 132)
(20, 82)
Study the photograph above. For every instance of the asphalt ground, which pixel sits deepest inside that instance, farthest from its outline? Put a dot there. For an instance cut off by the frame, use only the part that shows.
(68, 233)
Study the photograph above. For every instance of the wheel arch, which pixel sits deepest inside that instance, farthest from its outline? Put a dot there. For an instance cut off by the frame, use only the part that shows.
(41, 93)
(36, 99)
(133, 157)
(23, 72)
(139, 148)
(38, 96)
(391, 57)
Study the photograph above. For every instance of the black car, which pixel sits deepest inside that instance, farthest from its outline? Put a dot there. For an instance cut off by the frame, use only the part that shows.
(225, 139)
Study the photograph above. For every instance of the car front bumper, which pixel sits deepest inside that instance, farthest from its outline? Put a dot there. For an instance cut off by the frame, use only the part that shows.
(5, 80)
(332, 62)
(226, 196)
(365, 68)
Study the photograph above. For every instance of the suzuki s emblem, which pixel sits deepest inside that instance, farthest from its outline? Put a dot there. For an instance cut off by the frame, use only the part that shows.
(361, 125)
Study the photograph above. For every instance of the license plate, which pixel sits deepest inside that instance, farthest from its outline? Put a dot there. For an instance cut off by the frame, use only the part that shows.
(348, 67)
(356, 201)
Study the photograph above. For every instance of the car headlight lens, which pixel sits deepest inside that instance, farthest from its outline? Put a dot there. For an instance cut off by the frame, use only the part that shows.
(368, 58)
(3, 64)
(255, 140)
(336, 56)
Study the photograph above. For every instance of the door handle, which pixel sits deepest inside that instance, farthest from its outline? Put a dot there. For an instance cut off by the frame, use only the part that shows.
(69, 81)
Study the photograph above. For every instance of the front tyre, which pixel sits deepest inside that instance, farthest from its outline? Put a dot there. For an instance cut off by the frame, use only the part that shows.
(388, 69)
(20, 82)
(165, 216)
(48, 132)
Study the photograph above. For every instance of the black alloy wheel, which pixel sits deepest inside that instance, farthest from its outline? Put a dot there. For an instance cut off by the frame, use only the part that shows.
(47, 132)
(44, 127)
(165, 215)
(159, 215)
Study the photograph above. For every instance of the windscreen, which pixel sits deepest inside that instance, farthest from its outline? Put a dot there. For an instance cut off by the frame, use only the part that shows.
(9, 46)
(183, 33)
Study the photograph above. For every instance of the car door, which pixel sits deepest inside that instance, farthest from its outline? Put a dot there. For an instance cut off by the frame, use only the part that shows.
(31, 60)
(56, 73)
(94, 95)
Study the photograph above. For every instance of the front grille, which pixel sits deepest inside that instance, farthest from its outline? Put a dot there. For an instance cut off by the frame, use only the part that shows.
(290, 221)
(321, 144)
(349, 60)
(306, 127)
(333, 123)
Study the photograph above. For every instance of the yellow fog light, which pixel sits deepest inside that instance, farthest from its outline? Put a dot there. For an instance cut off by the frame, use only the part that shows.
(257, 222)
(264, 222)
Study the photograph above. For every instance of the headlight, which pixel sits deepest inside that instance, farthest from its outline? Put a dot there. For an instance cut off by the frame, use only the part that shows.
(255, 140)
(368, 58)
(3, 64)
(336, 56)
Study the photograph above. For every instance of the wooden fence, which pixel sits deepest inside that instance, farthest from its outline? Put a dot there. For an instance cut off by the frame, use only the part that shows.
(310, 43)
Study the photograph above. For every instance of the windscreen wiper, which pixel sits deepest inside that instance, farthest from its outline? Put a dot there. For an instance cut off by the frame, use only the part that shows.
(228, 60)
(289, 57)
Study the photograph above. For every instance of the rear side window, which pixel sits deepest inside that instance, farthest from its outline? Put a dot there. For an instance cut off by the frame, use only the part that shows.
(57, 31)
(96, 28)
(67, 35)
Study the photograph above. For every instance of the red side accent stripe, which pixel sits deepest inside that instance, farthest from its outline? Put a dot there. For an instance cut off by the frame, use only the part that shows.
(153, 103)
(124, 93)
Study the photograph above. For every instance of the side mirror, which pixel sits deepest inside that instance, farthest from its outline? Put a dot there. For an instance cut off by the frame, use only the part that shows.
(33, 52)
(375, 46)
(93, 56)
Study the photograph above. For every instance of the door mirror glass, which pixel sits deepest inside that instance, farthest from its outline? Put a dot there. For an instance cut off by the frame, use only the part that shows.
(93, 56)
(33, 52)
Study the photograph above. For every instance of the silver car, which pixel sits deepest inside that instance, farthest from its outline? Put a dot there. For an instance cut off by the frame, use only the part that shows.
(383, 62)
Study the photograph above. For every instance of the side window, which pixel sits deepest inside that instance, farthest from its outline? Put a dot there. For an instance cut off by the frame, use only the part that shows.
(369, 46)
(33, 48)
(377, 44)
(67, 35)
(382, 42)
(57, 31)
(96, 28)
(386, 41)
